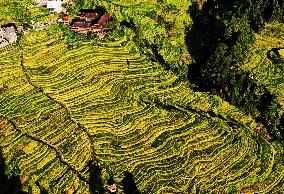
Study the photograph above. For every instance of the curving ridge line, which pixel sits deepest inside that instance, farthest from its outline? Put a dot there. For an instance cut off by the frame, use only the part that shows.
(78, 173)
(79, 126)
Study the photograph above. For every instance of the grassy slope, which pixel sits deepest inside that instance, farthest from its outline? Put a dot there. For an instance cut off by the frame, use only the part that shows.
(72, 105)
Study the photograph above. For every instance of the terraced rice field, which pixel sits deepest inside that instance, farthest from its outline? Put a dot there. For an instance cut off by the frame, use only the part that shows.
(64, 109)
(261, 67)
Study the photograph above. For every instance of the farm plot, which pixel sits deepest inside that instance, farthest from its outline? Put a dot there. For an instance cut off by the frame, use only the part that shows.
(265, 71)
(114, 107)
(37, 134)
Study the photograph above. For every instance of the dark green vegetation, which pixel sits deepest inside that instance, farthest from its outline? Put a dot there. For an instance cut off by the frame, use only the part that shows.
(9, 184)
(221, 37)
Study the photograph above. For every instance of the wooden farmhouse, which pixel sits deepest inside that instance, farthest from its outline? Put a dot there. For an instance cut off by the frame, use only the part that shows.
(88, 16)
(91, 23)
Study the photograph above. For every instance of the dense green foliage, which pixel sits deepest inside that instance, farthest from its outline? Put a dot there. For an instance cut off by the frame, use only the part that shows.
(255, 99)
(220, 39)
(228, 32)
(9, 183)
(275, 56)
(15, 10)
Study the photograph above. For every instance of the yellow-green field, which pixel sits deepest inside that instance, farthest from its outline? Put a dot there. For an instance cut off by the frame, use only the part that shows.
(65, 108)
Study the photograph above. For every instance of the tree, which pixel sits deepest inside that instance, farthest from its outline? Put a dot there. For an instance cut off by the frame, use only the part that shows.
(128, 183)
(8, 184)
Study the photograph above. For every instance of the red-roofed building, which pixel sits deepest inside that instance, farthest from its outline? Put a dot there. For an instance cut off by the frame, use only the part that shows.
(66, 19)
(91, 22)
(103, 20)
(88, 16)
(81, 27)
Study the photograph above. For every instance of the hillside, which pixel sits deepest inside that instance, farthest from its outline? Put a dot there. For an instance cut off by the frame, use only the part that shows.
(76, 111)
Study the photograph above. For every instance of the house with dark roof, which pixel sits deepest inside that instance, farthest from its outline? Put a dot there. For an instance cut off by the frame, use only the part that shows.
(103, 21)
(88, 16)
(81, 27)
(92, 23)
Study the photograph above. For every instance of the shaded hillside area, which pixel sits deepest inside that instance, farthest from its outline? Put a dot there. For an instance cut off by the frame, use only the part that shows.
(222, 36)
(9, 184)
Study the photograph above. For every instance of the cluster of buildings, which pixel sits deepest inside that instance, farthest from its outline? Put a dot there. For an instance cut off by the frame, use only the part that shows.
(89, 22)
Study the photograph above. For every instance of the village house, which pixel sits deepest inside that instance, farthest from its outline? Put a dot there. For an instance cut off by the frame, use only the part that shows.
(93, 23)
(103, 21)
(8, 35)
(82, 27)
(88, 16)
(52, 5)
(89, 21)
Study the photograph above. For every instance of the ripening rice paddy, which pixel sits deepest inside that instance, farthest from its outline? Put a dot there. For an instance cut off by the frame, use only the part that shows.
(64, 109)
